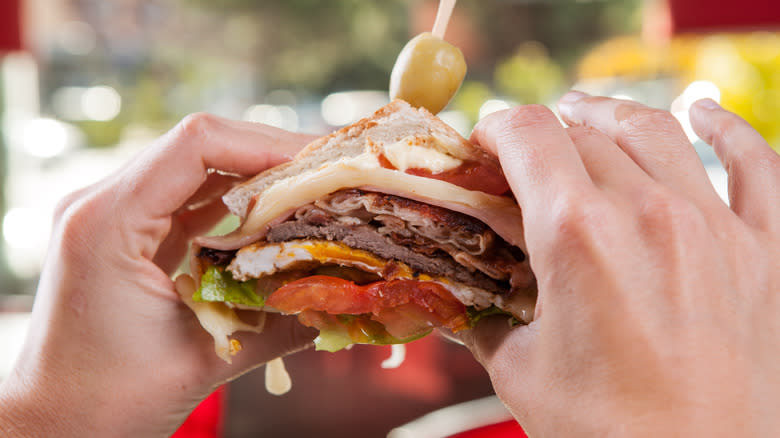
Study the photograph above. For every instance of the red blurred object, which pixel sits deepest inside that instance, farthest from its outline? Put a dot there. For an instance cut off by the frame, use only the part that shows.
(206, 420)
(10, 25)
(507, 429)
(724, 15)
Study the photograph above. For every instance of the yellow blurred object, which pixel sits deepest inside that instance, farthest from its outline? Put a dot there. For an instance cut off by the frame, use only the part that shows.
(744, 67)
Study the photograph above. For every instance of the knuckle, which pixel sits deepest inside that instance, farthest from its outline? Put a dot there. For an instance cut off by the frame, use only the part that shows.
(65, 204)
(528, 115)
(576, 217)
(725, 128)
(646, 116)
(583, 135)
(194, 125)
(645, 121)
(661, 209)
(78, 213)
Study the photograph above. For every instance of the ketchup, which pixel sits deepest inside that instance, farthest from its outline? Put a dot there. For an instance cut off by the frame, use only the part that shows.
(471, 175)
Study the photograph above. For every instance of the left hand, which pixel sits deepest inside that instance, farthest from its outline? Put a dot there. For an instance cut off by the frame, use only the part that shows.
(112, 351)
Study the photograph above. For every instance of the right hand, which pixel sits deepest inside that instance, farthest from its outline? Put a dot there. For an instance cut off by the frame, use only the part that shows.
(659, 306)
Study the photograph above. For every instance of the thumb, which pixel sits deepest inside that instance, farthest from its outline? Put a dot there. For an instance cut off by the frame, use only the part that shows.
(494, 340)
(506, 353)
(261, 337)
(281, 335)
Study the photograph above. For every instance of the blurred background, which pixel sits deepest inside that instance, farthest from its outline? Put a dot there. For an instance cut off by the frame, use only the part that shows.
(85, 84)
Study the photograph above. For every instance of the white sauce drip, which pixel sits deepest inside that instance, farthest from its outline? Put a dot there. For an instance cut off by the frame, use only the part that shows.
(277, 380)
(397, 356)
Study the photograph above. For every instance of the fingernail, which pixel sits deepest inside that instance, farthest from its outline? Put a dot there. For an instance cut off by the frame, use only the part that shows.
(707, 103)
(566, 103)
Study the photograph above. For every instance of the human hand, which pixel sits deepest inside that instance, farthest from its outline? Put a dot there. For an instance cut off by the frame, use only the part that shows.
(658, 304)
(112, 351)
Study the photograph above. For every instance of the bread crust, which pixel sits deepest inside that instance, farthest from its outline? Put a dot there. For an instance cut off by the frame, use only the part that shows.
(395, 121)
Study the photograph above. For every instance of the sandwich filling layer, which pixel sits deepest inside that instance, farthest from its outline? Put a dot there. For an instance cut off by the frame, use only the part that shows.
(357, 262)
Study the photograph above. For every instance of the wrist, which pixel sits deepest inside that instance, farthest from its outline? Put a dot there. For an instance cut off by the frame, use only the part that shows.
(27, 413)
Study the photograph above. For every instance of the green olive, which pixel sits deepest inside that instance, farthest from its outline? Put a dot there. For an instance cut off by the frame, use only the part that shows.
(427, 73)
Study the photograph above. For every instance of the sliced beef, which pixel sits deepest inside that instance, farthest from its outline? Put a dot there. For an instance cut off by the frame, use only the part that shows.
(427, 238)
(367, 238)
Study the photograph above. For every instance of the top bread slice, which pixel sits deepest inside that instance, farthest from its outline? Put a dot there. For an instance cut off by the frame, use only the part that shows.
(392, 123)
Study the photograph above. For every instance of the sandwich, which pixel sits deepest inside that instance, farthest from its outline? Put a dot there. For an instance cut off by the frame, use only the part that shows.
(375, 234)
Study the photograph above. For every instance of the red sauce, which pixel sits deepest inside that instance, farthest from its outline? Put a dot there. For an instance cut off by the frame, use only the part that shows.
(471, 175)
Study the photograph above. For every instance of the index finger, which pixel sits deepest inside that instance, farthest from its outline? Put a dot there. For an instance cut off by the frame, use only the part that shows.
(538, 157)
(168, 173)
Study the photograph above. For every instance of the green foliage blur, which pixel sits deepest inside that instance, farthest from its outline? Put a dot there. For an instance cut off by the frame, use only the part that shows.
(223, 56)
(318, 46)
(530, 75)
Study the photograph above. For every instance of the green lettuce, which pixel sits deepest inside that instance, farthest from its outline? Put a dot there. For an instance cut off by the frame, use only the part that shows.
(475, 315)
(332, 339)
(335, 337)
(218, 285)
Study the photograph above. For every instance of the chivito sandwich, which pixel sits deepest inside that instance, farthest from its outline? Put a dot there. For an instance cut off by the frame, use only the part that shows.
(375, 234)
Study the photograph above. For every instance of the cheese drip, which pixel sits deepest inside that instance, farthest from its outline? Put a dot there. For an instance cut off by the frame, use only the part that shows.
(277, 380)
(219, 320)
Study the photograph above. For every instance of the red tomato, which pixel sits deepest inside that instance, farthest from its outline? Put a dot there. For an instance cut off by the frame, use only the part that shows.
(471, 175)
(405, 308)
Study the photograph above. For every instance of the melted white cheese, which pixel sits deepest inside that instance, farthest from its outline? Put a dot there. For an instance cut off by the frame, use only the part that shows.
(219, 320)
(404, 155)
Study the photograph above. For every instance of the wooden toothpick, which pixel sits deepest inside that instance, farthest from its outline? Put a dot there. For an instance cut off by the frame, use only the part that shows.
(443, 17)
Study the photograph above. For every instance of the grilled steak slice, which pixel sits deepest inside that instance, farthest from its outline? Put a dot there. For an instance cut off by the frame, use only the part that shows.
(427, 238)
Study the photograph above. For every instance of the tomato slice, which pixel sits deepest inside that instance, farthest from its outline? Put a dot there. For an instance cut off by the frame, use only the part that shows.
(405, 308)
(472, 175)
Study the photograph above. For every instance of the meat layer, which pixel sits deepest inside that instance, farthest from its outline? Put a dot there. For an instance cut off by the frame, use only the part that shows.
(427, 238)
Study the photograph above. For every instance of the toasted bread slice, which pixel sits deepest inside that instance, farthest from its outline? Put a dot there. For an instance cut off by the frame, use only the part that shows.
(390, 124)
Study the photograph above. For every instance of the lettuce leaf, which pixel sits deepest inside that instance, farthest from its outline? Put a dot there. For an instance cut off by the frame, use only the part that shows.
(475, 315)
(216, 285)
(336, 336)
(332, 339)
